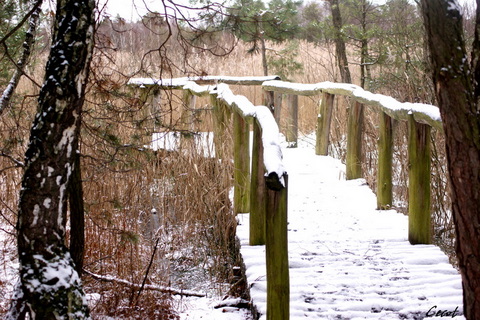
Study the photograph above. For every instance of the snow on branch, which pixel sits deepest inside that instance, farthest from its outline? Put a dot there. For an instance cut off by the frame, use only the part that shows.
(163, 289)
(422, 113)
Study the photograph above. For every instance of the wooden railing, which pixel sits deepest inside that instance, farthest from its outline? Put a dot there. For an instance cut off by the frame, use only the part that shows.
(263, 191)
(420, 117)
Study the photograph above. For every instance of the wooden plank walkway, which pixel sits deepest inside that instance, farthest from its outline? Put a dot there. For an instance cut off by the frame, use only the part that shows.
(348, 260)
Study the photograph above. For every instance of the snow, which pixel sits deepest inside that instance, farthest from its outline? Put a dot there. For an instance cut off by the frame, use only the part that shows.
(36, 211)
(424, 113)
(238, 102)
(170, 141)
(67, 139)
(205, 309)
(272, 152)
(453, 6)
(347, 259)
(180, 82)
(47, 202)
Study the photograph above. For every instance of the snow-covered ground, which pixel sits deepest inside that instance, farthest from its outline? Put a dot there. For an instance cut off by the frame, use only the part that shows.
(347, 259)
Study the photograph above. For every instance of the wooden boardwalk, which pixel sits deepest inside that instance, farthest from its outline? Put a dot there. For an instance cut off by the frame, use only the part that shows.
(347, 260)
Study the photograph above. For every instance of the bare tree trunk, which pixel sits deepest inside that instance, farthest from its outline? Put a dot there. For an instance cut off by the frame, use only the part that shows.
(340, 49)
(457, 90)
(50, 285)
(77, 219)
(264, 56)
(355, 112)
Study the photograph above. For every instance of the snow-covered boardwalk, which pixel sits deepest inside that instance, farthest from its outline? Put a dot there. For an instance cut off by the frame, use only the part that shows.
(348, 260)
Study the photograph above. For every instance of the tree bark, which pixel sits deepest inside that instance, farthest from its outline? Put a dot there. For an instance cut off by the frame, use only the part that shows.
(77, 215)
(457, 90)
(340, 49)
(50, 285)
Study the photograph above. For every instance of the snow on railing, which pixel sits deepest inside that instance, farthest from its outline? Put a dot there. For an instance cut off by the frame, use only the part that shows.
(272, 152)
(178, 83)
(422, 113)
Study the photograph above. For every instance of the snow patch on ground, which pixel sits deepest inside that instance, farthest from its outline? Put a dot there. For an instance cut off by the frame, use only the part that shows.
(205, 308)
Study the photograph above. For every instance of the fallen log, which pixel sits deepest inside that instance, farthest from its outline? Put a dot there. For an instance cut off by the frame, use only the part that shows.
(170, 290)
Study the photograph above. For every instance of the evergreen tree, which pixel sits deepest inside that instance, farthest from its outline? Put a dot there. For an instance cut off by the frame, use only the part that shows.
(254, 22)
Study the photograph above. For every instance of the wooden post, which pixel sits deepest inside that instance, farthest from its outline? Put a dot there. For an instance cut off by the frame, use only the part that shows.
(219, 126)
(241, 159)
(156, 109)
(292, 121)
(323, 124)
(419, 221)
(354, 141)
(150, 97)
(385, 156)
(187, 117)
(277, 107)
(278, 279)
(257, 189)
(269, 100)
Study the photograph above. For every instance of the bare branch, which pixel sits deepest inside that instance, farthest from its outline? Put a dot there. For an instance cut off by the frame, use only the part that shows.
(35, 7)
(163, 289)
(18, 163)
(27, 45)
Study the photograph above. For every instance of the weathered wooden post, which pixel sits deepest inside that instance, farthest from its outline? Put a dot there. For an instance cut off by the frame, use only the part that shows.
(219, 125)
(156, 109)
(323, 124)
(278, 278)
(269, 100)
(257, 189)
(241, 159)
(354, 141)
(277, 107)
(292, 121)
(385, 156)
(419, 220)
(187, 117)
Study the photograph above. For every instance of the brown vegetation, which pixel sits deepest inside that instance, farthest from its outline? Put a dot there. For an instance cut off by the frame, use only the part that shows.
(165, 217)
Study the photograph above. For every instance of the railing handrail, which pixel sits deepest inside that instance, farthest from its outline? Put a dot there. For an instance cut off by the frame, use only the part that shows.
(178, 83)
(422, 112)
